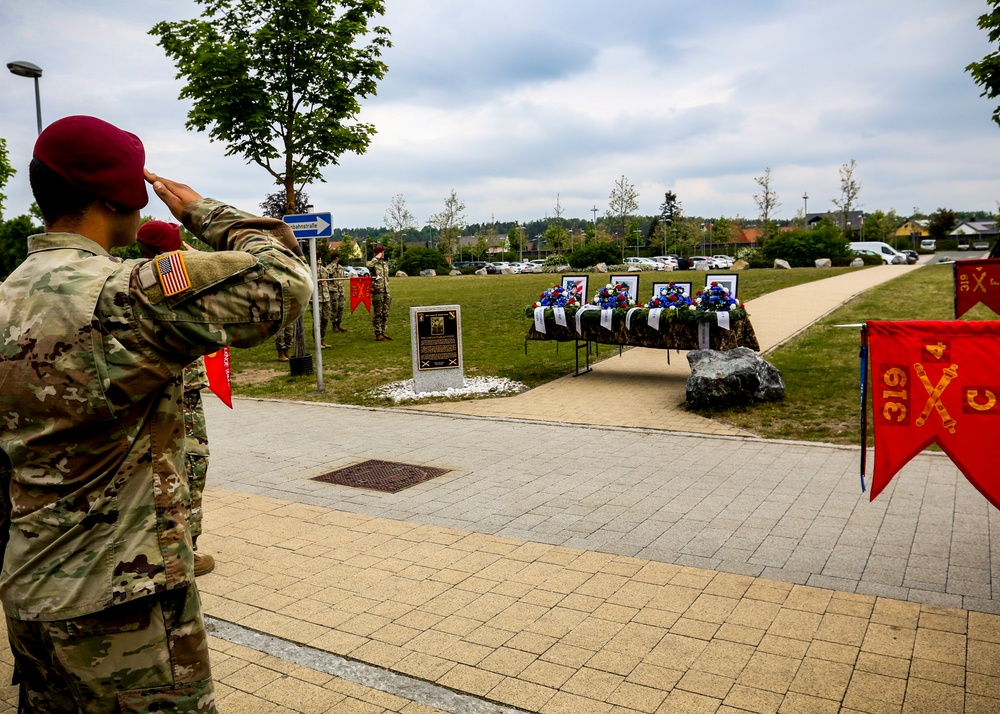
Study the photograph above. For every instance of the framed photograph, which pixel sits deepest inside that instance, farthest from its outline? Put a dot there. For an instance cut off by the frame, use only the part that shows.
(629, 279)
(729, 281)
(685, 287)
(578, 285)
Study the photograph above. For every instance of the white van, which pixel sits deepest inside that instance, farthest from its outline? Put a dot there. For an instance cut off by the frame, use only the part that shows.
(890, 256)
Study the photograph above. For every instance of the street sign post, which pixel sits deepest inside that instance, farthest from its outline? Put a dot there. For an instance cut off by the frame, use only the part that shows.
(312, 226)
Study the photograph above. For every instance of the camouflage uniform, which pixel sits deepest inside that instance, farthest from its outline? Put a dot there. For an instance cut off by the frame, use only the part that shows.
(97, 581)
(380, 294)
(336, 270)
(195, 442)
(283, 340)
(323, 288)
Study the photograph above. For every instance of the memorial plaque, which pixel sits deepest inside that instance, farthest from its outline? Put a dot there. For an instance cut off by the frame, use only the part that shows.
(436, 338)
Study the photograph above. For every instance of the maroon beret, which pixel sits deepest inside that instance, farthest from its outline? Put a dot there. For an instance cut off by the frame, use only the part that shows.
(378, 249)
(96, 157)
(334, 254)
(160, 236)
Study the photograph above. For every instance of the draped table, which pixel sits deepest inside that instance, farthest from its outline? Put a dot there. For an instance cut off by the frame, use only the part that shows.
(674, 332)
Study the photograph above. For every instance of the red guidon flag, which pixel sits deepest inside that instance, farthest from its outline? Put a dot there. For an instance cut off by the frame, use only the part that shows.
(936, 382)
(220, 375)
(977, 281)
(361, 292)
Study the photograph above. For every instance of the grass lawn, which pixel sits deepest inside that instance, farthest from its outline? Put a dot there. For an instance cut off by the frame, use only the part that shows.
(821, 366)
(493, 326)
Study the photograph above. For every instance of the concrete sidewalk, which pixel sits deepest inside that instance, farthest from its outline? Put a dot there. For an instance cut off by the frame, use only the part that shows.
(572, 567)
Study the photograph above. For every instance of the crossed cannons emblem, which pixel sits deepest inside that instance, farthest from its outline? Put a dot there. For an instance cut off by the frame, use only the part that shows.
(934, 393)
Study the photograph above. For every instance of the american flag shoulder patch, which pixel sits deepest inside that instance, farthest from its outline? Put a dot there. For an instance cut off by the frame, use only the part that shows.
(172, 273)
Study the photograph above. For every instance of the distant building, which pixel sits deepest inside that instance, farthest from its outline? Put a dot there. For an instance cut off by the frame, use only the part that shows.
(986, 230)
(913, 228)
(855, 219)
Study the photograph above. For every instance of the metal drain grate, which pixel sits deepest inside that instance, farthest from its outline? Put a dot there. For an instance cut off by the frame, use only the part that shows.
(388, 476)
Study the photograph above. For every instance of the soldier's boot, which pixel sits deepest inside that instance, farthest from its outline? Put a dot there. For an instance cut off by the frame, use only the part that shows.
(386, 337)
(380, 338)
(203, 564)
(338, 328)
(282, 355)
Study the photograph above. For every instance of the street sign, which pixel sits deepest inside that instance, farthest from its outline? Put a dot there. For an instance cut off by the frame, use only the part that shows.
(310, 225)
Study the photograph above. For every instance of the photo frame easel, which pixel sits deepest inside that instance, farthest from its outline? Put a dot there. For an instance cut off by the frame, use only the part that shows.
(629, 279)
(729, 281)
(686, 287)
(581, 280)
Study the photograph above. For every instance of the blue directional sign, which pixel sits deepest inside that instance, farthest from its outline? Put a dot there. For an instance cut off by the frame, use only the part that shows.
(310, 225)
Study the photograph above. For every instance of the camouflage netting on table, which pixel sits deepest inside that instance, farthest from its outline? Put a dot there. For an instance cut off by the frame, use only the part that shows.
(675, 333)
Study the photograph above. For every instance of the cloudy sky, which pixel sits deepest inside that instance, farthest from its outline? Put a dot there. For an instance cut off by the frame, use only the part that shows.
(511, 103)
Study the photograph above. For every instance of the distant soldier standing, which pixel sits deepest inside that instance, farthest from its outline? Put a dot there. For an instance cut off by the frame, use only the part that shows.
(336, 271)
(323, 288)
(381, 299)
(283, 342)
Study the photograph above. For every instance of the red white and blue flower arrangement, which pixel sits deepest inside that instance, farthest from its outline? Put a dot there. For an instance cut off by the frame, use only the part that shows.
(613, 295)
(672, 297)
(716, 298)
(559, 296)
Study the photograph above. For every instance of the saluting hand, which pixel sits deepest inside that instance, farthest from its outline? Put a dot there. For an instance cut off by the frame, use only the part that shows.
(174, 195)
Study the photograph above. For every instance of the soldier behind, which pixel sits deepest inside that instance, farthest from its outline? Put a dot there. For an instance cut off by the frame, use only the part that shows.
(323, 288)
(155, 238)
(381, 299)
(283, 342)
(336, 272)
(103, 613)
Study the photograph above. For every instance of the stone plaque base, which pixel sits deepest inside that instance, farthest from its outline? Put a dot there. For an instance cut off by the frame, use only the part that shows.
(436, 341)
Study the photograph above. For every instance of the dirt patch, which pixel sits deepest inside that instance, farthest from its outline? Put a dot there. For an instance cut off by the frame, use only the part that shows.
(257, 376)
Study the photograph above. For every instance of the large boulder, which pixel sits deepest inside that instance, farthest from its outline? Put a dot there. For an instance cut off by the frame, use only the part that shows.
(482, 271)
(429, 272)
(857, 263)
(824, 263)
(703, 266)
(737, 376)
(781, 264)
(455, 272)
(741, 265)
(506, 271)
(601, 268)
(401, 274)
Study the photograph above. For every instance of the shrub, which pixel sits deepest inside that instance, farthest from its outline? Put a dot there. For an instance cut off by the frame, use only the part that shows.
(416, 259)
(593, 253)
(802, 247)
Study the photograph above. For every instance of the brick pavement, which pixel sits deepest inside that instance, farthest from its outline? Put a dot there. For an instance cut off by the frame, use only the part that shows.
(547, 572)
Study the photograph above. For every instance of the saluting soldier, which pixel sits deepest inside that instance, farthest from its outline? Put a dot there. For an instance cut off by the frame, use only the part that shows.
(336, 272)
(379, 268)
(323, 288)
(103, 613)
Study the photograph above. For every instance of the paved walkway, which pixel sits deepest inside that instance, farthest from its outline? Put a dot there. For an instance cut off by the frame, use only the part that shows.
(562, 567)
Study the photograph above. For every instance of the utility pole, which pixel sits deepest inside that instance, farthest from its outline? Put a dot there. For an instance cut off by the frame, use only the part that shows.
(594, 211)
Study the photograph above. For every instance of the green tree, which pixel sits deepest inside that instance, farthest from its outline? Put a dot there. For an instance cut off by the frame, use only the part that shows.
(767, 202)
(417, 258)
(850, 187)
(399, 220)
(943, 222)
(670, 214)
(986, 73)
(802, 247)
(14, 242)
(591, 254)
(280, 82)
(275, 204)
(881, 226)
(449, 223)
(622, 204)
(6, 172)
(725, 231)
(557, 237)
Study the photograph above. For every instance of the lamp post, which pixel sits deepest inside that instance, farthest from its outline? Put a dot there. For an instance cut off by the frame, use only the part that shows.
(27, 69)
(805, 206)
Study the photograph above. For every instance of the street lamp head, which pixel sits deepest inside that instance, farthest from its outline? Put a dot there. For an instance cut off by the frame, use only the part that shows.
(25, 69)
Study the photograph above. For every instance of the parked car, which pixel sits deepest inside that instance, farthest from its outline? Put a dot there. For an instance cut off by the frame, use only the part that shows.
(682, 263)
(890, 256)
(655, 265)
(351, 271)
(500, 265)
(530, 268)
(911, 256)
(669, 260)
(697, 260)
(723, 261)
(981, 245)
(928, 244)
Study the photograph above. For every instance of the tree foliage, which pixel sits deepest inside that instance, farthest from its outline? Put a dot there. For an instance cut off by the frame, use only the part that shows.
(943, 222)
(399, 220)
(622, 204)
(280, 81)
(986, 72)
(275, 205)
(14, 242)
(6, 172)
(593, 253)
(417, 258)
(850, 187)
(767, 202)
(802, 247)
(449, 223)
